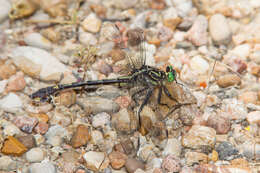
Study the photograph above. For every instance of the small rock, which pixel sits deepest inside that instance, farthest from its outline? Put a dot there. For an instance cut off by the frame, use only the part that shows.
(226, 151)
(165, 34)
(146, 153)
(41, 128)
(3, 84)
(96, 137)
(171, 18)
(219, 123)
(242, 51)
(96, 105)
(199, 136)
(60, 118)
(42, 168)
(42, 117)
(94, 160)
(50, 33)
(197, 34)
(5, 7)
(80, 137)
(222, 168)
(28, 141)
(117, 159)
(199, 65)
(11, 103)
(25, 123)
(214, 156)
(16, 83)
(55, 135)
(235, 109)
(7, 164)
(195, 158)
(109, 92)
(253, 117)
(101, 119)
(123, 101)
(171, 164)
(35, 155)
(219, 29)
(255, 56)
(240, 162)
(91, 23)
(14, 147)
(37, 62)
(256, 71)
(66, 98)
(21, 9)
(250, 150)
(125, 4)
(132, 165)
(228, 80)
(249, 97)
(37, 40)
(86, 38)
(117, 54)
(173, 147)
(7, 70)
(128, 146)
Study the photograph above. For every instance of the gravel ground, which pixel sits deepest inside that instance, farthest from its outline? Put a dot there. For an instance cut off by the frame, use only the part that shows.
(213, 45)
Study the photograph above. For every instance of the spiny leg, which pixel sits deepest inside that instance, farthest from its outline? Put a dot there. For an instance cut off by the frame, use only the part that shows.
(148, 95)
(166, 91)
(138, 92)
(159, 98)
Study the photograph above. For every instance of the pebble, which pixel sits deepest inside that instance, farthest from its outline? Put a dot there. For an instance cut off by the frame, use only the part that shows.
(248, 97)
(256, 71)
(7, 70)
(173, 147)
(146, 152)
(255, 56)
(101, 119)
(60, 118)
(42, 167)
(27, 140)
(41, 128)
(11, 103)
(195, 158)
(80, 137)
(55, 135)
(16, 83)
(87, 38)
(132, 165)
(97, 105)
(199, 136)
(96, 137)
(7, 164)
(220, 123)
(171, 18)
(37, 40)
(37, 62)
(219, 29)
(93, 160)
(123, 101)
(124, 121)
(253, 117)
(3, 84)
(5, 7)
(35, 155)
(128, 146)
(222, 168)
(242, 51)
(25, 123)
(91, 23)
(226, 151)
(171, 164)
(199, 65)
(12, 146)
(250, 150)
(117, 159)
(228, 80)
(21, 9)
(197, 34)
(109, 92)
(235, 109)
(124, 4)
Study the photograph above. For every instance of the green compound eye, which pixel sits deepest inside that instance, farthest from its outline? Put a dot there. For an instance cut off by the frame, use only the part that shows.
(171, 73)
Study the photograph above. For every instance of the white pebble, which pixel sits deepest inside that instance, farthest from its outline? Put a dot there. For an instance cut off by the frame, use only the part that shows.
(101, 119)
(94, 159)
(35, 155)
(3, 84)
(199, 65)
(5, 7)
(11, 103)
(7, 164)
(37, 40)
(43, 167)
(242, 51)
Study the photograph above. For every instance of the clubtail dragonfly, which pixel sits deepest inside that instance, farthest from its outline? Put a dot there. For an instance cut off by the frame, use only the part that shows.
(147, 77)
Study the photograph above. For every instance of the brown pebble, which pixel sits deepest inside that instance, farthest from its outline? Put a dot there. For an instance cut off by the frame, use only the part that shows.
(240, 162)
(41, 128)
(171, 164)
(123, 101)
(117, 54)
(219, 123)
(7, 70)
(214, 156)
(100, 10)
(248, 97)
(117, 159)
(132, 165)
(25, 123)
(13, 147)
(127, 146)
(256, 71)
(119, 148)
(28, 141)
(135, 36)
(80, 137)
(40, 116)
(16, 83)
(66, 98)
(228, 80)
(253, 117)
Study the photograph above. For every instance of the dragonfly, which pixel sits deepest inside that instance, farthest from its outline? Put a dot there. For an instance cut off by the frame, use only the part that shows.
(147, 78)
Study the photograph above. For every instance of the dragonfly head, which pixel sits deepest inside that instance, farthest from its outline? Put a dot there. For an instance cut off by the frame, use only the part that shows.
(170, 73)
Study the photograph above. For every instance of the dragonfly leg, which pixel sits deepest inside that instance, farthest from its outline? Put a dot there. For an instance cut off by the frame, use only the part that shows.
(159, 98)
(138, 92)
(166, 91)
(148, 95)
